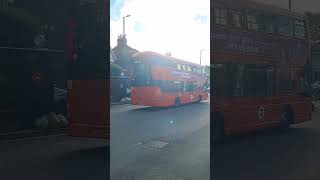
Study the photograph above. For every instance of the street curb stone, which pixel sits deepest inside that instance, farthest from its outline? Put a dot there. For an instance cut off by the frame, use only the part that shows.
(31, 133)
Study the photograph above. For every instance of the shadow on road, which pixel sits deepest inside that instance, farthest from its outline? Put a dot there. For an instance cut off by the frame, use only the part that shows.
(268, 154)
(83, 164)
(269, 134)
(156, 109)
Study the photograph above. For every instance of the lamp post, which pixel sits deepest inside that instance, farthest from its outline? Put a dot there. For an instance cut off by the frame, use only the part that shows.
(290, 5)
(201, 54)
(124, 35)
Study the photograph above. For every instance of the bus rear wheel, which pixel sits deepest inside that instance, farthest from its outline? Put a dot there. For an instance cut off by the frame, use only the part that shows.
(200, 98)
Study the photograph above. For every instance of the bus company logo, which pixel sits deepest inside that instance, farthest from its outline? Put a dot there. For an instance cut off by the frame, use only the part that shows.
(260, 113)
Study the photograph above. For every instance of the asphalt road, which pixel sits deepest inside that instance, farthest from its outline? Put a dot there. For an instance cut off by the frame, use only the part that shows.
(293, 154)
(160, 143)
(54, 157)
(274, 154)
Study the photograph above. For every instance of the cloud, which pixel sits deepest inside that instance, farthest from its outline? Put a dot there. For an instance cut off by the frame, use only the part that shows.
(181, 27)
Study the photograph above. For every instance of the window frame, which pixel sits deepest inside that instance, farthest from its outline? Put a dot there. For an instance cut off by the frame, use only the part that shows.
(218, 17)
(231, 13)
(280, 25)
(299, 25)
(249, 24)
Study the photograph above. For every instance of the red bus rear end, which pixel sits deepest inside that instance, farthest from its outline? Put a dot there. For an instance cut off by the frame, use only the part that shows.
(89, 108)
(87, 49)
(258, 70)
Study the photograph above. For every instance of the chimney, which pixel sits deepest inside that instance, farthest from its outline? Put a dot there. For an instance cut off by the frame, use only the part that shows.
(122, 40)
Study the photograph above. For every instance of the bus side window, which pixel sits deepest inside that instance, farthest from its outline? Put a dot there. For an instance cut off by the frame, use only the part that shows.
(183, 86)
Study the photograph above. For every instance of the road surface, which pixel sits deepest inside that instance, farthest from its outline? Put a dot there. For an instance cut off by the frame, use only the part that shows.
(293, 154)
(54, 157)
(160, 143)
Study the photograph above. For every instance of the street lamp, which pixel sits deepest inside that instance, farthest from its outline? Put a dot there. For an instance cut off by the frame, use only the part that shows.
(124, 35)
(290, 5)
(124, 24)
(201, 54)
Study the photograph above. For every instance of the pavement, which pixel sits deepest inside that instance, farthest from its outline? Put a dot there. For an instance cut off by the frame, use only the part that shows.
(160, 143)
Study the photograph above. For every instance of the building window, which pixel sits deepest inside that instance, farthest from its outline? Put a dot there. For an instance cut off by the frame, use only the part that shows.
(252, 23)
(184, 67)
(300, 29)
(220, 16)
(269, 25)
(194, 69)
(285, 26)
(236, 19)
(179, 66)
(199, 70)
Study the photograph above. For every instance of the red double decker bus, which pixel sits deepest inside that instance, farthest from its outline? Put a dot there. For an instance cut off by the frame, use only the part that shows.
(87, 53)
(163, 81)
(258, 53)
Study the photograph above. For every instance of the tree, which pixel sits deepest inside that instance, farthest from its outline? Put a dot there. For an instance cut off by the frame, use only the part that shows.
(18, 28)
(115, 70)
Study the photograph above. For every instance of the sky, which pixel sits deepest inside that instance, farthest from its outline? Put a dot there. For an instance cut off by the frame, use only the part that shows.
(181, 27)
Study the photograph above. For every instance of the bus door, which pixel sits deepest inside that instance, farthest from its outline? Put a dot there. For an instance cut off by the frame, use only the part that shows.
(188, 93)
(88, 85)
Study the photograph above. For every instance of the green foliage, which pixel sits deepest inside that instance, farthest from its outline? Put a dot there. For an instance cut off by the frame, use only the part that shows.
(18, 27)
(115, 70)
